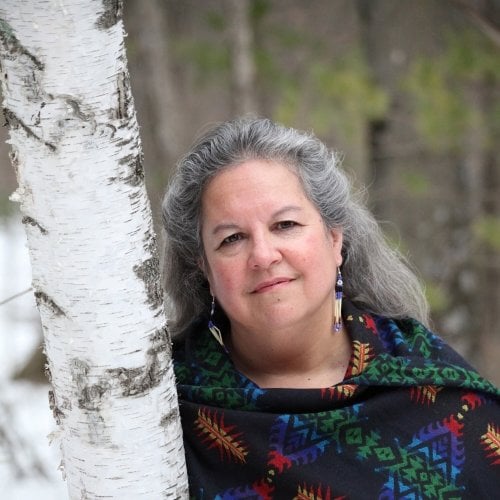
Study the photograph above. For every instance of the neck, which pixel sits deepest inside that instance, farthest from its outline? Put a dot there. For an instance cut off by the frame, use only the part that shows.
(291, 358)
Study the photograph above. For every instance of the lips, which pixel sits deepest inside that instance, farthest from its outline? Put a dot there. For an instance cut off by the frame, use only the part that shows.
(270, 284)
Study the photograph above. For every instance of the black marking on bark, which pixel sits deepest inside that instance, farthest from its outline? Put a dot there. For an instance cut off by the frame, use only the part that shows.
(129, 381)
(75, 106)
(136, 175)
(14, 122)
(32, 222)
(127, 159)
(43, 299)
(149, 273)
(14, 158)
(113, 10)
(134, 197)
(170, 417)
(161, 343)
(124, 96)
(106, 130)
(12, 45)
(79, 370)
(150, 243)
(89, 395)
(57, 413)
(38, 118)
(136, 178)
(136, 381)
(124, 142)
(47, 372)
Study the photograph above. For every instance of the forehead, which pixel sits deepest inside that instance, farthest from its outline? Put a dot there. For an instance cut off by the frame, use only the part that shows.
(253, 173)
(252, 189)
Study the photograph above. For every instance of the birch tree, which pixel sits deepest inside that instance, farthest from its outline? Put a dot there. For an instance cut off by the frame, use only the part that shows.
(76, 150)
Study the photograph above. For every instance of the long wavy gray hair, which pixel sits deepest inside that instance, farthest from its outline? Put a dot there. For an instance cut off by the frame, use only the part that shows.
(376, 276)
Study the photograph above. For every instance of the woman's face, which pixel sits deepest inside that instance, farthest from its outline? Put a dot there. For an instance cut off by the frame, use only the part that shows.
(270, 261)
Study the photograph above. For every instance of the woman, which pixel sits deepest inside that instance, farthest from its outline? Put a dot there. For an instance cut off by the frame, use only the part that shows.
(303, 364)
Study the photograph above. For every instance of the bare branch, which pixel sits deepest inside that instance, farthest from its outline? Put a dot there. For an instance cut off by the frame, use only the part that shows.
(483, 15)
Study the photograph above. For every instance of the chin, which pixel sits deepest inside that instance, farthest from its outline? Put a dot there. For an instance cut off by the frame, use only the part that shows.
(282, 319)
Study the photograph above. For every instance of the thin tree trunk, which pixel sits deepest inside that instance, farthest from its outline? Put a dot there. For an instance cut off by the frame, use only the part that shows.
(377, 169)
(243, 64)
(157, 81)
(478, 202)
(465, 260)
(76, 150)
(489, 336)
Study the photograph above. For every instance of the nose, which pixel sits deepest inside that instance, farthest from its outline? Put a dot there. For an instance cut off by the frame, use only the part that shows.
(263, 252)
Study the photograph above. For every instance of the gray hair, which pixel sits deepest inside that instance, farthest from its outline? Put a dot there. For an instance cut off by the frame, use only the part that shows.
(376, 277)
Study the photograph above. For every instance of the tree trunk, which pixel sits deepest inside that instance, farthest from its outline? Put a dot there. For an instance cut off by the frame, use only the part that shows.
(477, 275)
(76, 150)
(489, 336)
(242, 64)
(157, 82)
(377, 169)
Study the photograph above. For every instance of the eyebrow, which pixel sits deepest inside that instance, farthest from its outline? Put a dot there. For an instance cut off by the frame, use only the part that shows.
(230, 226)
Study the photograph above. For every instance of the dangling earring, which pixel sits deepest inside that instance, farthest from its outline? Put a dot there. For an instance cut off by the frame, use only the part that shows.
(337, 310)
(211, 326)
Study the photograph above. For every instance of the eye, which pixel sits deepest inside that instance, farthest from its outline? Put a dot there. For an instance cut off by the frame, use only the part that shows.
(286, 224)
(232, 238)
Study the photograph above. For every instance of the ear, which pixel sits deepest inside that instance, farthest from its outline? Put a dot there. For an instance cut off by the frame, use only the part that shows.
(337, 239)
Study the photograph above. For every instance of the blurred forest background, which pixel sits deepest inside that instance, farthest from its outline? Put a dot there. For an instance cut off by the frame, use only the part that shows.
(408, 91)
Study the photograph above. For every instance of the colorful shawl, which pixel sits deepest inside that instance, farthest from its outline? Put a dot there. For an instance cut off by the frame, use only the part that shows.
(410, 420)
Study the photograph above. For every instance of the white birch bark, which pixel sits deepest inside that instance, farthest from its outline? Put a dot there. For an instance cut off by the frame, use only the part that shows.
(76, 149)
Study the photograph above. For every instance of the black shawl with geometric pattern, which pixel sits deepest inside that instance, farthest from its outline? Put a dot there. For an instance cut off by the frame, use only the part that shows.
(410, 420)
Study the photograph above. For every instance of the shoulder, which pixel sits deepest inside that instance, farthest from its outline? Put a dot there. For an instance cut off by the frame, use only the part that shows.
(404, 352)
(407, 336)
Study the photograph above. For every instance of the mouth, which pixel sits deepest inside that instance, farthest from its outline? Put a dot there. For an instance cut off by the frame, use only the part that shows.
(269, 285)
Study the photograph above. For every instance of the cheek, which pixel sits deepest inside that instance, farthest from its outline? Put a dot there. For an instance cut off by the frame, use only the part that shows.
(319, 250)
(322, 257)
(224, 278)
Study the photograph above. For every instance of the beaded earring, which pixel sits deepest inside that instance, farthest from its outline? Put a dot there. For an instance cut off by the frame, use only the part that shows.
(337, 311)
(211, 326)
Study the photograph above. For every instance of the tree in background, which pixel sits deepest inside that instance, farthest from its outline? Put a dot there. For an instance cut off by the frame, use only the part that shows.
(456, 97)
(351, 72)
(409, 91)
(77, 154)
